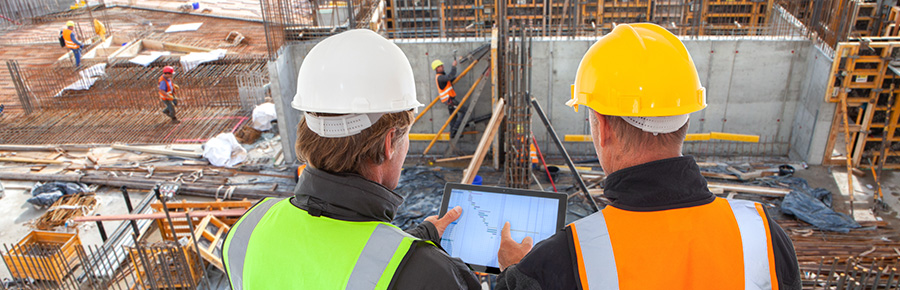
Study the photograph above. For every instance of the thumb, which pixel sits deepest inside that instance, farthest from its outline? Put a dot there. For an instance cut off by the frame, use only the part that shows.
(527, 242)
(452, 215)
(504, 234)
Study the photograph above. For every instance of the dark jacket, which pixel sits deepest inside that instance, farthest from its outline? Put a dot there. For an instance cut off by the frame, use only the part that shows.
(351, 197)
(655, 186)
(445, 77)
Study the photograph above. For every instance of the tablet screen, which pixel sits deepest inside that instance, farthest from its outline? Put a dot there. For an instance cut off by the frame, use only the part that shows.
(475, 236)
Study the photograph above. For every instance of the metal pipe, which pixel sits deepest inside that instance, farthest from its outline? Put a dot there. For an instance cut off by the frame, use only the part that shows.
(190, 222)
(102, 230)
(134, 226)
(165, 210)
(562, 149)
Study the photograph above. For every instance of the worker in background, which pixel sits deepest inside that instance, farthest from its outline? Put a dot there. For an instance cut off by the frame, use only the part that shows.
(167, 92)
(446, 92)
(358, 96)
(662, 229)
(71, 41)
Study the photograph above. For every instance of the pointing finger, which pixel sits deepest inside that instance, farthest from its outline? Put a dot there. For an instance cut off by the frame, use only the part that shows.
(504, 234)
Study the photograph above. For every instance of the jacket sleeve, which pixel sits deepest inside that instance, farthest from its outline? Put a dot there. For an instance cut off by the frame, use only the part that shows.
(786, 268)
(426, 231)
(452, 74)
(75, 40)
(549, 265)
(428, 267)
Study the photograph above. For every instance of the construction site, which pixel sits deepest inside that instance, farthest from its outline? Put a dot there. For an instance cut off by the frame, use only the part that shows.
(100, 190)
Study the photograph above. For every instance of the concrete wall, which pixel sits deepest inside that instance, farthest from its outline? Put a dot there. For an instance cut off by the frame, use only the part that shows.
(812, 119)
(770, 88)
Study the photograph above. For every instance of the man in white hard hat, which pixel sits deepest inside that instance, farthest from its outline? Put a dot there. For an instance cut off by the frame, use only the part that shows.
(71, 42)
(358, 96)
(663, 229)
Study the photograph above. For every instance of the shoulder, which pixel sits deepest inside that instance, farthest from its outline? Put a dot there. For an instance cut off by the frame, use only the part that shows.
(428, 267)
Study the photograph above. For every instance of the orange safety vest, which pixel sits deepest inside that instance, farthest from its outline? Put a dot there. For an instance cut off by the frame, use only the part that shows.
(67, 36)
(446, 93)
(533, 154)
(725, 244)
(170, 90)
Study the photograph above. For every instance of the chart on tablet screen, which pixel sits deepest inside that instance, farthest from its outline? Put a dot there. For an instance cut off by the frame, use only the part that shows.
(475, 236)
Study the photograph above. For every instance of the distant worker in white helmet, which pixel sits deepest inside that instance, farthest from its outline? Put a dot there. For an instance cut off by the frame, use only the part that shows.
(662, 229)
(444, 81)
(71, 42)
(358, 96)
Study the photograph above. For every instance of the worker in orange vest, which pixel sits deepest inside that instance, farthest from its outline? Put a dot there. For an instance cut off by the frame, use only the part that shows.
(167, 92)
(71, 42)
(446, 93)
(662, 228)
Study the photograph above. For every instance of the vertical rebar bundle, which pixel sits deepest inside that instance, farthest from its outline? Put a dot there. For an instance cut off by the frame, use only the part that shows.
(517, 134)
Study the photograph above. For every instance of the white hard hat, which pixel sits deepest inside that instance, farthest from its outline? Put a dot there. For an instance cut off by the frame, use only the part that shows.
(358, 73)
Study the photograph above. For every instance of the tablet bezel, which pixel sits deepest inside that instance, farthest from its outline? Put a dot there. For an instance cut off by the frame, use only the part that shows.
(560, 217)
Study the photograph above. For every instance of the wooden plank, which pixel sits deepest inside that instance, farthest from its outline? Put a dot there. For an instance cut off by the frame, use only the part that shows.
(489, 133)
(454, 158)
(50, 148)
(160, 215)
(769, 191)
(157, 151)
(31, 160)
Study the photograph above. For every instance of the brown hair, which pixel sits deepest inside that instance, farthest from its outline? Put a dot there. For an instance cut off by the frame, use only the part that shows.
(639, 139)
(349, 154)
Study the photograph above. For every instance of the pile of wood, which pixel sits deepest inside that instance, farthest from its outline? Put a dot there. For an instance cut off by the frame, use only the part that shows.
(65, 209)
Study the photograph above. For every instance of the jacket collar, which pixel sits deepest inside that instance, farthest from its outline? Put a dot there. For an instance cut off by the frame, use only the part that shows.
(344, 196)
(658, 185)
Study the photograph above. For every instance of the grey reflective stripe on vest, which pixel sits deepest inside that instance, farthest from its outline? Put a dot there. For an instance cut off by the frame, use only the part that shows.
(375, 257)
(596, 250)
(240, 238)
(755, 244)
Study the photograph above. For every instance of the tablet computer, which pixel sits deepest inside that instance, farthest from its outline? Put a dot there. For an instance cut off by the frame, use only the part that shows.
(475, 236)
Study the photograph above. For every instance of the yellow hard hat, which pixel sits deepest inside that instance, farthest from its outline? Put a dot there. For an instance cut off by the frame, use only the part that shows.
(70, 23)
(638, 70)
(436, 63)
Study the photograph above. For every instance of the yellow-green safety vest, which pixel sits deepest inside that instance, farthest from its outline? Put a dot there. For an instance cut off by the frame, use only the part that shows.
(276, 245)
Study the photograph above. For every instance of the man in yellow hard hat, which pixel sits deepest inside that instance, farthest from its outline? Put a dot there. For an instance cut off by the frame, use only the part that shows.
(71, 42)
(662, 229)
(446, 93)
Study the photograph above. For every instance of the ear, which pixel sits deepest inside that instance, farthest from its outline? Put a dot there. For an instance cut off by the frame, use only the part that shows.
(606, 132)
(388, 145)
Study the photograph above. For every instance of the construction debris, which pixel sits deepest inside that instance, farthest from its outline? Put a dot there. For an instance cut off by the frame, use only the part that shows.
(65, 209)
(44, 195)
